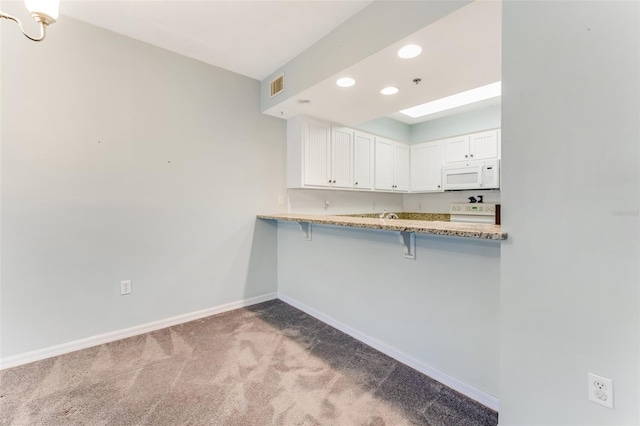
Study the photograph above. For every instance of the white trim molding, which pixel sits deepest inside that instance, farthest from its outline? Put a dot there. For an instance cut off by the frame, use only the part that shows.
(456, 384)
(64, 348)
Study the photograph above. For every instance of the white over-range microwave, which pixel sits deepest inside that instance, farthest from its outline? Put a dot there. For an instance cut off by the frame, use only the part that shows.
(477, 174)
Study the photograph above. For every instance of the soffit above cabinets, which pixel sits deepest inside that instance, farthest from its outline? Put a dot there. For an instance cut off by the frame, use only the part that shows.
(461, 51)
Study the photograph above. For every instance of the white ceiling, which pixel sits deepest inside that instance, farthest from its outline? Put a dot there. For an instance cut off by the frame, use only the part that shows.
(461, 51)
(252, 38)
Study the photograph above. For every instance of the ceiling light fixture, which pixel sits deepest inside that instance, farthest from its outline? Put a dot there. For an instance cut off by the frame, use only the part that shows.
(390, 90)
(345, 82)
(44, 12)
(409, 51)
(464, 98)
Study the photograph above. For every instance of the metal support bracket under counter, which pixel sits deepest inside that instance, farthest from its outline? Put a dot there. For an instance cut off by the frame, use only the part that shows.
(305, 227)
(408, 240)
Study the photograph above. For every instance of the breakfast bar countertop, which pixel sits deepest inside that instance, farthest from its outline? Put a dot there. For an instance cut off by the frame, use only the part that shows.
(452, 229)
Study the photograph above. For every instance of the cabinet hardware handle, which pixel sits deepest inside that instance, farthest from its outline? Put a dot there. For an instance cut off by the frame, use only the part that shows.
(466, 156)
(471, 155)
(356, 183)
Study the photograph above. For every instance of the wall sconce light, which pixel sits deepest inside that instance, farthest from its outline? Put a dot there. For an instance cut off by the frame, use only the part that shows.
(44, 12)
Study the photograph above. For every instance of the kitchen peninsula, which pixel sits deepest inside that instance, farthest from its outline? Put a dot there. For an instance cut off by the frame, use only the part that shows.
(425, 292)
(466, 230)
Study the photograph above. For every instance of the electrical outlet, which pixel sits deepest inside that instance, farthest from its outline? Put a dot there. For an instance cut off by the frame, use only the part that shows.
(600, 390)
(125, 287)
(280, 200)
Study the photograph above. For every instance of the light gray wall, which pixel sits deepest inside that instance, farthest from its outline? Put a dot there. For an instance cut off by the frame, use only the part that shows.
(373, 28)
(439, 128)
(125, 161)
(387, 127)
(359, 278)
(458, 124)
(570, 276)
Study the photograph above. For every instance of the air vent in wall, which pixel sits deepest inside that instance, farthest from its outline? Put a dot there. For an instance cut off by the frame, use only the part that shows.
(277, 86)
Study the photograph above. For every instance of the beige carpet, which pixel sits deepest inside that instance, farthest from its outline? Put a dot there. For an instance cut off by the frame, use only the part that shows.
(269, 364)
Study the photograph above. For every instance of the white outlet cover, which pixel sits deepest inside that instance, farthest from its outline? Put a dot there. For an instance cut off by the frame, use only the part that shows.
(600, 390)
(125, 287)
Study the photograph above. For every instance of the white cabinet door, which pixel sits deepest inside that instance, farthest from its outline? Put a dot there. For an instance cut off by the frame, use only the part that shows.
(484, 145)
(456, 149)
(401, 167)
(317, 153)
(384, 164)
(426, 167)
(477, 146)
(341, 157)
(392, 165)
(363, 161)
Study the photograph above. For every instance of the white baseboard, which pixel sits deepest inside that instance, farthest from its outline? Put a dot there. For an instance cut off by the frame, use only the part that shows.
(450, 381)
(447, 380)
(37, 355)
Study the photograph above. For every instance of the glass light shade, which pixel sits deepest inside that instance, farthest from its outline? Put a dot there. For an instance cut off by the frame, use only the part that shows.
(47, 7)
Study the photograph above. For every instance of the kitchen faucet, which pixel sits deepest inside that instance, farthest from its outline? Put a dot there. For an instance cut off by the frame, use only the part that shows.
(384, 215)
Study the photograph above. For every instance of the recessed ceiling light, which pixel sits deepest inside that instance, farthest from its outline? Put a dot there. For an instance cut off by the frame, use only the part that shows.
(345, 82)
(464, 98)
(409, 51)
(389, 90)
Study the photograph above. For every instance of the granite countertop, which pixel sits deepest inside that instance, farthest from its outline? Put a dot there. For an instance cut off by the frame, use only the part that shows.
(467, 230)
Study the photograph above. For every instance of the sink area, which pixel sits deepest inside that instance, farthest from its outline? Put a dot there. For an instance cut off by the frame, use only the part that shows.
(443, 217)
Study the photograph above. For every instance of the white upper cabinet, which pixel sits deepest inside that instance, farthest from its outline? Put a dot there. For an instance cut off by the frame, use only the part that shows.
(401, 167)
(363, 161)
(477, 146)
(321, 155)
(317, 153)
(456, 149)
(341, 157)
(391, 165)
(426, 167)
(384, 164)
(484, 145)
